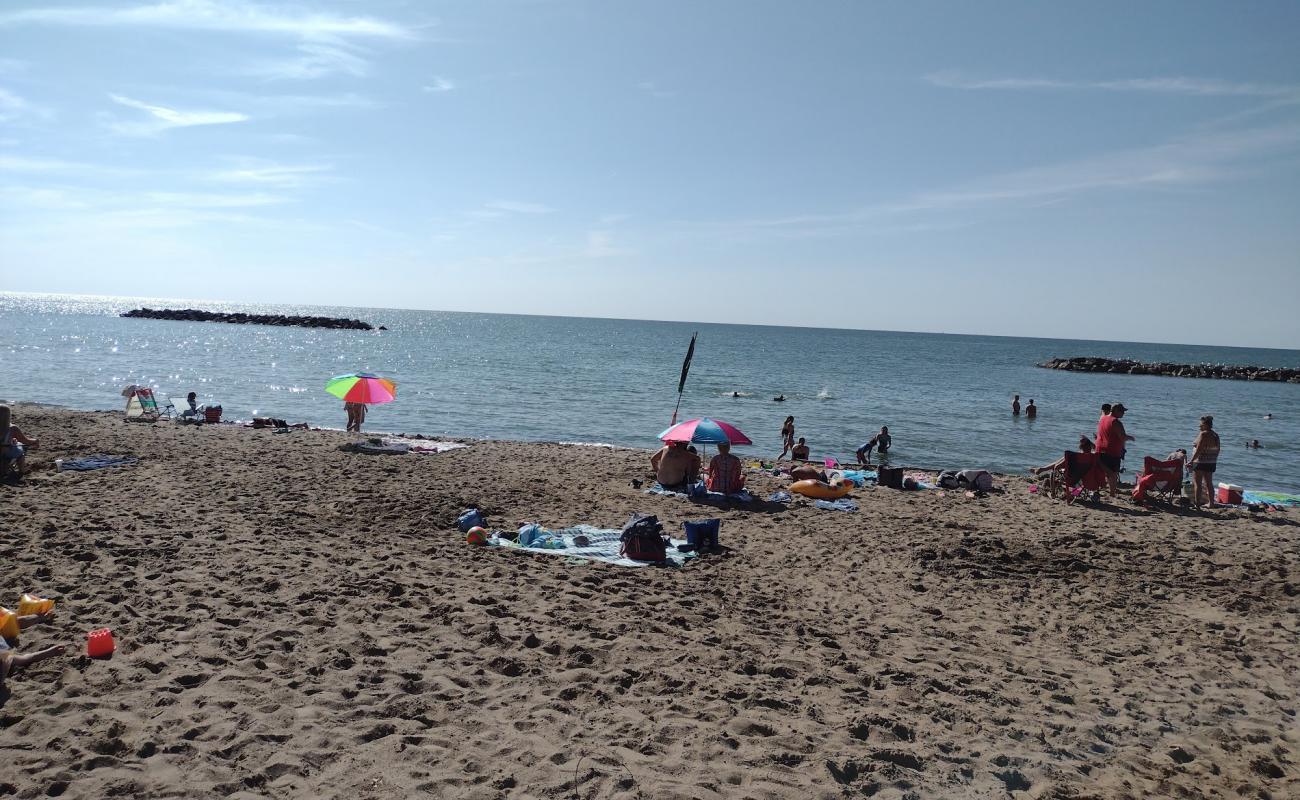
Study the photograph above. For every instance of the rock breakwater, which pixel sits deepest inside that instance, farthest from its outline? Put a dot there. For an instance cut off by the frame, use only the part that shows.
(240, 318)
(1124, 366)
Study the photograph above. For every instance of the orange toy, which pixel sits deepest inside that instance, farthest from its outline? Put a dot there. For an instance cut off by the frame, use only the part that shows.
(8, 624)
(31, 604)
(99, 643)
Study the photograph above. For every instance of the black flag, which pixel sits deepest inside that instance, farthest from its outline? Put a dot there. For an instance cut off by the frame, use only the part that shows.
(686, 365)
(681, 383)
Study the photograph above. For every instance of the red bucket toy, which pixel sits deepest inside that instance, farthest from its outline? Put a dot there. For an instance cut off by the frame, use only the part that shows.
(99, 643)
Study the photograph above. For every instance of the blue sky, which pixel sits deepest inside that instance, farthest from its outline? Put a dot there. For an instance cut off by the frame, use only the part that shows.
(1088, 170)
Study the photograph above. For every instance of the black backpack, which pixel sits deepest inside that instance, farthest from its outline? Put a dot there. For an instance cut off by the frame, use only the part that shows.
(643, 539)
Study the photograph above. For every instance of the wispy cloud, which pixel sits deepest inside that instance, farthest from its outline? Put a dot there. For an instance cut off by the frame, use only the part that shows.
(654, 90)
(1170, 85)
(1190, 160)
(14, 106)
(516, 207)
(162, 118)
(230, 16)
(256, 172)
(439, 85)
(600, 244)
(37, 164)
(314, 60)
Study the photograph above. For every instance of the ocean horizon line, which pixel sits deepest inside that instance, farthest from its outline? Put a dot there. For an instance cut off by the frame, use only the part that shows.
(91, 296)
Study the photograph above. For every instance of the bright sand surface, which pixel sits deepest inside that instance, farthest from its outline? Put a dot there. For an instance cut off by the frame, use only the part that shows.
(294, 620)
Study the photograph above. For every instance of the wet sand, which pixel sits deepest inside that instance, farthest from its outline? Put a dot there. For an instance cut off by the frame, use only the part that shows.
(295, 621)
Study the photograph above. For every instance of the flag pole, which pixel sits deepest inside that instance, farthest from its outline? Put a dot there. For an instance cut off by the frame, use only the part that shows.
(681, 382)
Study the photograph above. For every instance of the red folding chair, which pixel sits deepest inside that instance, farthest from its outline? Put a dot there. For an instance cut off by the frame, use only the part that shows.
(1164, 478)
(1082, 470)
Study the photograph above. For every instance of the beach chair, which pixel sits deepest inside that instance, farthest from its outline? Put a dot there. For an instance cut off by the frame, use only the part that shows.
(1164, 478)
(1083, 470)
(142, 406)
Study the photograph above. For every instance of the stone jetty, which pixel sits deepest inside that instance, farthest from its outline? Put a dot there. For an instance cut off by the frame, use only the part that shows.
(1124, 366)
(239, 318)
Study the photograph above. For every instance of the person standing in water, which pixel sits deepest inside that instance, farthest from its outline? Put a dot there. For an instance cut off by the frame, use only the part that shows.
(1015, 406)
(1031, 410)
(787, 437)
(1204, 460)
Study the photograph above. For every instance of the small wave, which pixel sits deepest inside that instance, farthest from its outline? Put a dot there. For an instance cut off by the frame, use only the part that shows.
(737, 394)
(825, 394)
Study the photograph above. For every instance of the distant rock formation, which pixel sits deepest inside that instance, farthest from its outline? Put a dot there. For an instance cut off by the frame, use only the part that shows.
(1124, 366)
(239, 318)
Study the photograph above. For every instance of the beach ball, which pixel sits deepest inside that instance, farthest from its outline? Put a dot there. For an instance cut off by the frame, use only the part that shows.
(476, 535)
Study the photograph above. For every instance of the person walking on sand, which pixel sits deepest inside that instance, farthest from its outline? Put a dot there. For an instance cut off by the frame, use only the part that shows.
(1112, 440)
(787, 437)
(1031, 410)
(1015, 406)
(356, 415)
(1204, 460)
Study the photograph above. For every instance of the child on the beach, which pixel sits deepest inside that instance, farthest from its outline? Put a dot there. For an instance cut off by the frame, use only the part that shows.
(12, 661)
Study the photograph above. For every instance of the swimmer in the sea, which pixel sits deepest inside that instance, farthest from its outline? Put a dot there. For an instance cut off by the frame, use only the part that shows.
(779, 399)
(735, 394)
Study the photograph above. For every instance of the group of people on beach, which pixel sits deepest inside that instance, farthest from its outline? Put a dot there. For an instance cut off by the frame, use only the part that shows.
(799, 451)
(677, 467)
(1111, 446)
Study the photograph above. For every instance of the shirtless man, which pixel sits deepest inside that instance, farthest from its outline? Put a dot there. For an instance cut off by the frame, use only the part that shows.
(800, 451)
(673, 465)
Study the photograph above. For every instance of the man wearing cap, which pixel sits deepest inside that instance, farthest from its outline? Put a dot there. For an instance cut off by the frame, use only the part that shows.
(1111, 441)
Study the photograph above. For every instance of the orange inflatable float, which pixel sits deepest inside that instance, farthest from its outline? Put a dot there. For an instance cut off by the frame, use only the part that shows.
(822, 491)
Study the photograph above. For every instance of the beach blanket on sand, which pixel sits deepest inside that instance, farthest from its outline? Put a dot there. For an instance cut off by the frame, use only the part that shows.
(842, 504)
(597, 544)
(97, 462)
(742, 496)
(1271, 498)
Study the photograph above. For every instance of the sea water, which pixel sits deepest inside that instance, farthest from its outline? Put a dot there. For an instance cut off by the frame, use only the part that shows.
(945, 398)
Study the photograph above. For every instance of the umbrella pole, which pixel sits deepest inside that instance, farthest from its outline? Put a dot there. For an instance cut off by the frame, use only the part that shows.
(675, 408)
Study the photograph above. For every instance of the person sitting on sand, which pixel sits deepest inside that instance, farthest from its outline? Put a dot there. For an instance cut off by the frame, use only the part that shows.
(11, 661)
(1085, 446)
(191, 400)
(881, 441)
(725, 473)
(800, 451)
(674, 465)
(12, 441)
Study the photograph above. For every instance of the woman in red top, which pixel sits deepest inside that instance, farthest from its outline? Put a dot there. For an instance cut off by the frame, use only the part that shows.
(1111, 441)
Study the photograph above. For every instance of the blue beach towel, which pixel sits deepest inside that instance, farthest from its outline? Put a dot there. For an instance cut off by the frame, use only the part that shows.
(596, 544)
(779, 497)
(1271, 498)
(97, 462)
(843, 504)
(715, 497)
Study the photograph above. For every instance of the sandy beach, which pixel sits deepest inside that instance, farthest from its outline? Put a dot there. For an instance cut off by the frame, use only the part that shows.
(294, 620)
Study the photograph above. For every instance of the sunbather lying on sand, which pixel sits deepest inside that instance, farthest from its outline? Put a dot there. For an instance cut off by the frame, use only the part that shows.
(11, 661)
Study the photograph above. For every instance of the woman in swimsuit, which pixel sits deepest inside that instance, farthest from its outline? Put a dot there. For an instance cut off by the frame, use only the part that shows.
(787, 437)
(1205, 457)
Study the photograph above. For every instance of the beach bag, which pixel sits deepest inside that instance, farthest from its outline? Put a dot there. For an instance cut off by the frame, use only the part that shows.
(891, 477)
(471, 518)
(947, 479)
(643, 539)
(977, 479)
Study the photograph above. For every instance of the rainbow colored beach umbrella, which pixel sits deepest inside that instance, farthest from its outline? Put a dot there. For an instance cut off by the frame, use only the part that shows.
(362, 388)
(705, 431)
